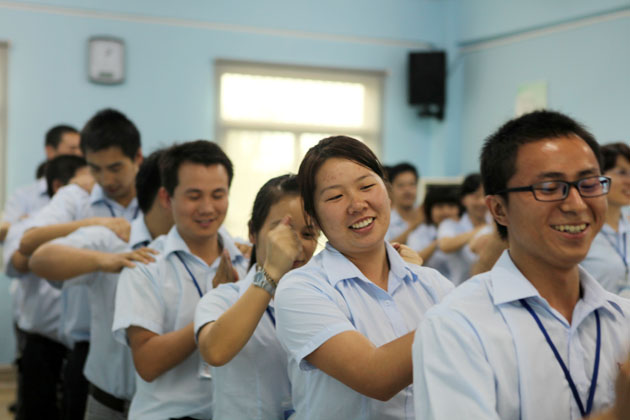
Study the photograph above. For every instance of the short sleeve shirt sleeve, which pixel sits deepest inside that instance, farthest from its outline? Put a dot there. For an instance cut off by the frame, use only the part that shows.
(309, 312)
(214, 304)
(138, 301)
(452, 378)
(447, 228)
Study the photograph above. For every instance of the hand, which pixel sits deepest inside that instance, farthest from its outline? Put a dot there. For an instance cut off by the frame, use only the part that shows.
(245, 249)
(85, 181)
(120, 226)
(621, 409)
(114, 263)
(408, 254)
(283, 248)
(226, 273)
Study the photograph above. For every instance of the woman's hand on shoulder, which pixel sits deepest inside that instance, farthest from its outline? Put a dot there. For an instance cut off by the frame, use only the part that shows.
(408, 254)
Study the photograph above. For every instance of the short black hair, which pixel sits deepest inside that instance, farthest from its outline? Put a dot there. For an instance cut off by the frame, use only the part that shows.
(400, 168)
(62, 168)
(610, 153)
(110, 128)
(439, 194)
(148, 180)
(470, 184)
(499, 152)
(53, 136)
(202, 152)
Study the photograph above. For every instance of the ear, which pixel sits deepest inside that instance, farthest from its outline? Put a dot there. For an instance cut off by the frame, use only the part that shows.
(498, 208)
(138, 158)
(50, 152)
(164, 198)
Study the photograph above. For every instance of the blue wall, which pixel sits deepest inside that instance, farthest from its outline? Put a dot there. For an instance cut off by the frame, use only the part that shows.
(579, 48)
(171, 47)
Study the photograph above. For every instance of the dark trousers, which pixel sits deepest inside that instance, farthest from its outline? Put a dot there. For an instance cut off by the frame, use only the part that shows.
(20, 342)
(75, 386)
(40, 365)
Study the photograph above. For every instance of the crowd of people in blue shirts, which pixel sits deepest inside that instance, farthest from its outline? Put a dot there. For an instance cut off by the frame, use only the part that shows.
(502, 298)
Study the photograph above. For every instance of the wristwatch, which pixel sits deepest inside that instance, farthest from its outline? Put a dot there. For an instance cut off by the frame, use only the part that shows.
(262, 280)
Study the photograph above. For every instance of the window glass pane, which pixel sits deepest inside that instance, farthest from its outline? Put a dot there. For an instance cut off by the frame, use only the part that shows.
(286, 100)
(257, 156)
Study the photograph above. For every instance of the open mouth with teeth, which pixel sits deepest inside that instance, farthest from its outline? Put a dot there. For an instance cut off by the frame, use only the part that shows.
(363, 223)
(205, 222)
(570, 228)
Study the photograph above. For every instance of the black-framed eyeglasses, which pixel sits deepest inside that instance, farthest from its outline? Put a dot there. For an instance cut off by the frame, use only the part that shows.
(592, 186)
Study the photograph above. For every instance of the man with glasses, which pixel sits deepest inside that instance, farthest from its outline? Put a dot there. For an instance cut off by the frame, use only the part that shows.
(536, 337)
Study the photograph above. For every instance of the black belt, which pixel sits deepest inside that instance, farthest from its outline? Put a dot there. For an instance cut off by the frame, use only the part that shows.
(108, 400)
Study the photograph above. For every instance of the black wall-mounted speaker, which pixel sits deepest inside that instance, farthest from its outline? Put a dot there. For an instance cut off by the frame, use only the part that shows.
(427, 82)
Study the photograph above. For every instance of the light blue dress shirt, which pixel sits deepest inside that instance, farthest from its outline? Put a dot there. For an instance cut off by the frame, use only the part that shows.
(397, 225)
(460, 261)
(161, 297)
(328, 296)
(72, 203)
(25, 201)
(38, 303)
(608, 259)
(480, 354)
(420, 238)
(109, 364)
(254, 385)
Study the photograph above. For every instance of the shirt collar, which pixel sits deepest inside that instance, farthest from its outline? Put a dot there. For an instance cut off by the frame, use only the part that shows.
(339, 268)
(174, 243)
(509, 285)
(139, 232)
(624, 227)
(98, 196)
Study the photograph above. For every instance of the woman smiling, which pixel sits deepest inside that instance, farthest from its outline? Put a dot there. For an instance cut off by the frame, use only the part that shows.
(347, 318)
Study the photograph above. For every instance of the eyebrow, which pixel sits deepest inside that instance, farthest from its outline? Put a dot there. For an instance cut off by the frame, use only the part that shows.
(561, 175)
(110, 166)
(361, 178)
(200, 191)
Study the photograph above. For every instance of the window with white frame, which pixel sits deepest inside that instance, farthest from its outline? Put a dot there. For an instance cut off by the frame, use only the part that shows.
(268, 116)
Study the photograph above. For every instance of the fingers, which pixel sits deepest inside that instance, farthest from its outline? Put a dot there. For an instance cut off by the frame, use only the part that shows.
(143, 255)
(225, 272)
(127, 264)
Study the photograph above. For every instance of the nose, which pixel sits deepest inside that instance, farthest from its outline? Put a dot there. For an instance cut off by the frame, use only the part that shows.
(574, 201)
(206, 205)
(357, 204)
(108, 179)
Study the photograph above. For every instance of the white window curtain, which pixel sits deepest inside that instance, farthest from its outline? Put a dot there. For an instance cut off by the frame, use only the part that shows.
(268, 116)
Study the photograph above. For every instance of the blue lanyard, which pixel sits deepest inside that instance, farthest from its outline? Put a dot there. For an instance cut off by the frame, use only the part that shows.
(191, 274)
(111, 210)
(567, 374)
(617, 249)
(273, 318)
